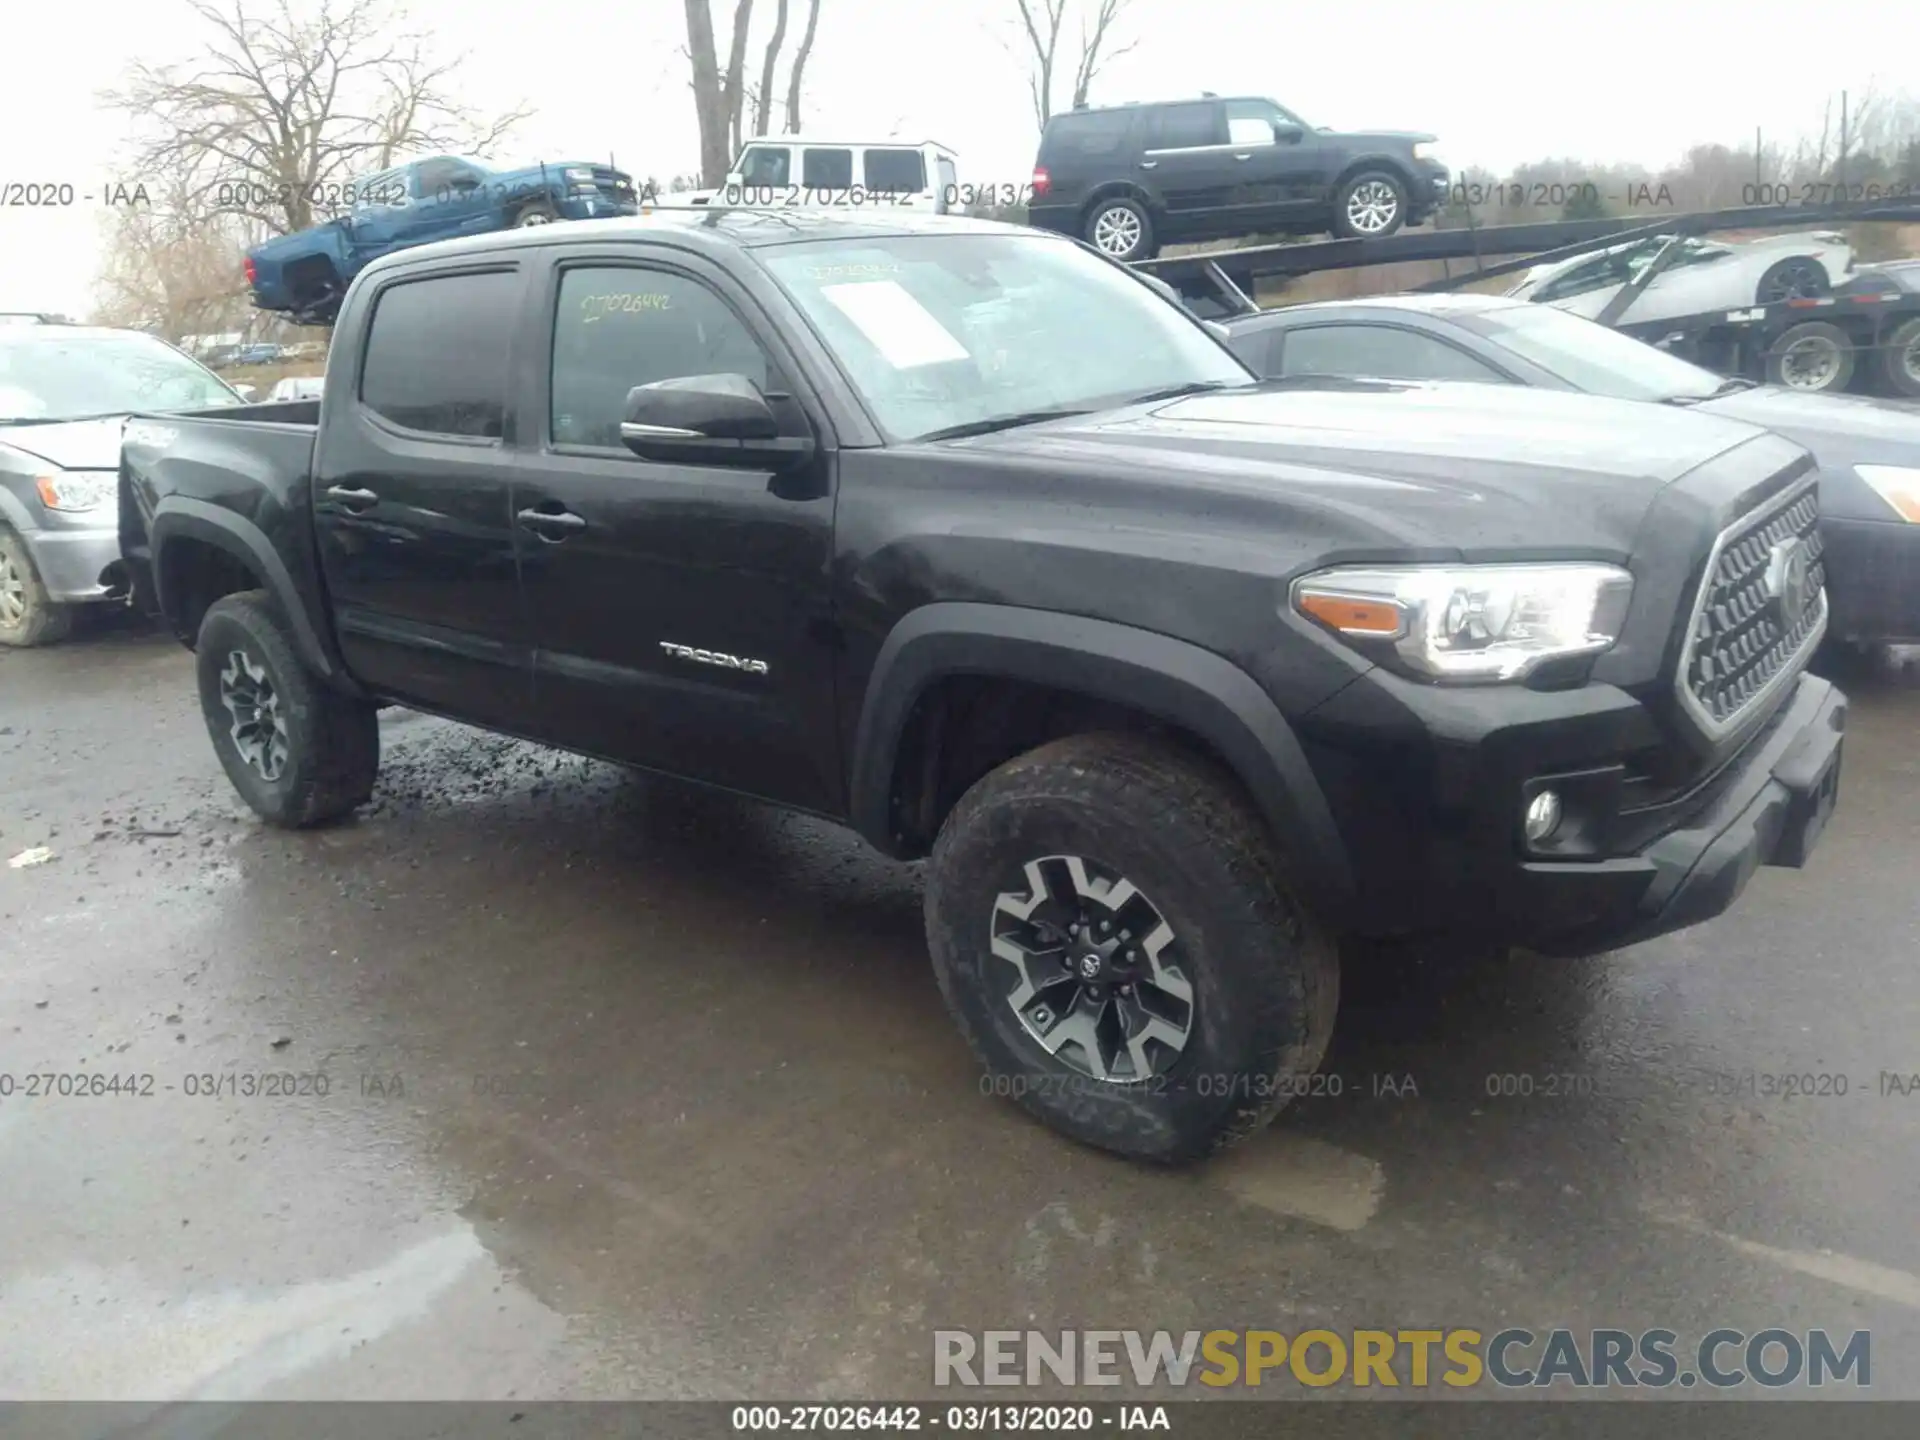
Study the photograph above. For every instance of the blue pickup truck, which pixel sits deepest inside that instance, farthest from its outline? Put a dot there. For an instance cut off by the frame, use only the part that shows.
(305, 274)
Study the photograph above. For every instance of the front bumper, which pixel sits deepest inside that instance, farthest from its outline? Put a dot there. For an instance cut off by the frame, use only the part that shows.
(1873, 579)
(1430, 194)
(70, 562)
(1428, 788)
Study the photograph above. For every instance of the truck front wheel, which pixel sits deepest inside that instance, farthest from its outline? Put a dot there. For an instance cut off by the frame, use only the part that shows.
(298, 753)
(1111, 933)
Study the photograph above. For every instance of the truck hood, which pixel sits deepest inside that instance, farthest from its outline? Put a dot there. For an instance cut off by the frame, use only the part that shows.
(70, 444)
(1481, 469)
(1383, 139)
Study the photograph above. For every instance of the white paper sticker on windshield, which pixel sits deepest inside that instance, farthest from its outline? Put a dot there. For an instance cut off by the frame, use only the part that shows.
(898, 325)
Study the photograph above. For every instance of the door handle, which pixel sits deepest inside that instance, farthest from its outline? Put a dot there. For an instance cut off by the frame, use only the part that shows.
(351, 497)
(1243, 155)
(1148, 164)
(541, 520)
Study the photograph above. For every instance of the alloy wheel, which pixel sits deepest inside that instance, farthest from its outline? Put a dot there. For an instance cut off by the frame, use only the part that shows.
(1372, 207)
(1117, 231)
(1093, 970)
(13, 592)
(259, 729)
(1795, 280)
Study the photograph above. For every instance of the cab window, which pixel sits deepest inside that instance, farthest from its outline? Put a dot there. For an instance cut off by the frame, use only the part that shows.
(766, 165)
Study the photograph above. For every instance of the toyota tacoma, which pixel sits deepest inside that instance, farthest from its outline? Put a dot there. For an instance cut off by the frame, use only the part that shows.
(965, 536)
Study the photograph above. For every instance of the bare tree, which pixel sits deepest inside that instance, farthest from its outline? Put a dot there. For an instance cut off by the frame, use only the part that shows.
(283, 106)
(763, 97)
(721, 96)
(173, 270)
(794, 77)
(1042, 22)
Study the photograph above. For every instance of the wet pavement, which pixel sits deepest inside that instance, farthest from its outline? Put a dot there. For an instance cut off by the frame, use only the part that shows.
(603, 1087)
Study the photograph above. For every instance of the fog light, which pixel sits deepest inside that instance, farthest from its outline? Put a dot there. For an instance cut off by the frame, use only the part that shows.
(1543, 816)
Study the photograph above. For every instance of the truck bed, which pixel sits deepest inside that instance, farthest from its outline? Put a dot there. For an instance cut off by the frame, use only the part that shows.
(237, 477)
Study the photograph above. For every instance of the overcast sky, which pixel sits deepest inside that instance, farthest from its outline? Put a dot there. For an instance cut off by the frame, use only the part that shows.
(1500, 81)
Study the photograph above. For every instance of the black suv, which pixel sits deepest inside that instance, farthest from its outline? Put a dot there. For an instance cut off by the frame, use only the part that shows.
(1129, 178)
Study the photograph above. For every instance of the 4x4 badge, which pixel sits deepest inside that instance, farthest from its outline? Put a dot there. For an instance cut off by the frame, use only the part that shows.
(714, 657)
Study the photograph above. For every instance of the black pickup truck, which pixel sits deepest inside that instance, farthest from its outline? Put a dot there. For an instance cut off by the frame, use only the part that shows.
(967, 537)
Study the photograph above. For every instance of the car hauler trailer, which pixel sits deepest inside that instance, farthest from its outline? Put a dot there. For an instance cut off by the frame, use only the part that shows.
(1862, 333)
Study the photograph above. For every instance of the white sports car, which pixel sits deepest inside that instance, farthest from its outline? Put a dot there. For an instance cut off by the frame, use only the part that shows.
(1706, 275)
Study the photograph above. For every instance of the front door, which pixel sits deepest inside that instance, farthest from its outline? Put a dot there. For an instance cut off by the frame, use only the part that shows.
(413, 501)
(679, 610)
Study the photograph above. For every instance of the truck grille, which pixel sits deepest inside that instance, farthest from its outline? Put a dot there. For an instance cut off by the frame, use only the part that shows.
(1762, 607)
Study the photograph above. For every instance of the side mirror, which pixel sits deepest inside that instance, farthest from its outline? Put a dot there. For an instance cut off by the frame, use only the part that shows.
(1287, 134)
(248, 393)
(707, 420)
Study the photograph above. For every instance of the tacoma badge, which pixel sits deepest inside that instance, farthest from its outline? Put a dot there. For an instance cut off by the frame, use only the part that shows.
(714, 657)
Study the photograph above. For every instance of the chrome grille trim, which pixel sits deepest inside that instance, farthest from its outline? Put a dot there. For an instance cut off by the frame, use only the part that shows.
(1730, 610)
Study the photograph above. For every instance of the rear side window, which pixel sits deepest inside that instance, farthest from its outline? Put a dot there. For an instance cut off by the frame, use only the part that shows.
(1186, 127)
(436, 356)
(1378, 352)
(896, 172)
(826, 169)
(1088, 133)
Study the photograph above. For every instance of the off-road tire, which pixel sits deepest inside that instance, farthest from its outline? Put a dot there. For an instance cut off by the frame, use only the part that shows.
(1264, 975)
(332, 740)
(43, 621)
(538, 213)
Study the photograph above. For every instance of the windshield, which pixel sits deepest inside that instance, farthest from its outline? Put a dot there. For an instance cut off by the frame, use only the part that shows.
(1591, 357)
(943, 332)
(74, 377)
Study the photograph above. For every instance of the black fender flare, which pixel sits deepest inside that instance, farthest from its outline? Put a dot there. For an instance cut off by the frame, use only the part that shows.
(1180, 683)
(179, 517)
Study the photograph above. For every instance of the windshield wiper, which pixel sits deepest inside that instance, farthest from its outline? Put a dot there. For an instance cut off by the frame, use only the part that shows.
(997, 422)
(61, 419)
(1192, 387)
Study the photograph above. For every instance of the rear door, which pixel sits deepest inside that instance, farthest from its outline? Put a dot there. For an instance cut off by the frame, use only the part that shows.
(413, 496)
(1187, 163)
(631, 565)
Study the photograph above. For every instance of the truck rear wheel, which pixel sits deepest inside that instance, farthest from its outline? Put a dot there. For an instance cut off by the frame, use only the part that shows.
(298, 753)
(1900, 359)
(1111, 933)
(1812, 356)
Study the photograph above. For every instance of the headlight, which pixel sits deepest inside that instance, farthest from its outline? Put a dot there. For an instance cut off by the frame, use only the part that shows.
(1423, 150)
(1898, 485)
(578, 172)
(1470, 623)
(69, 491)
